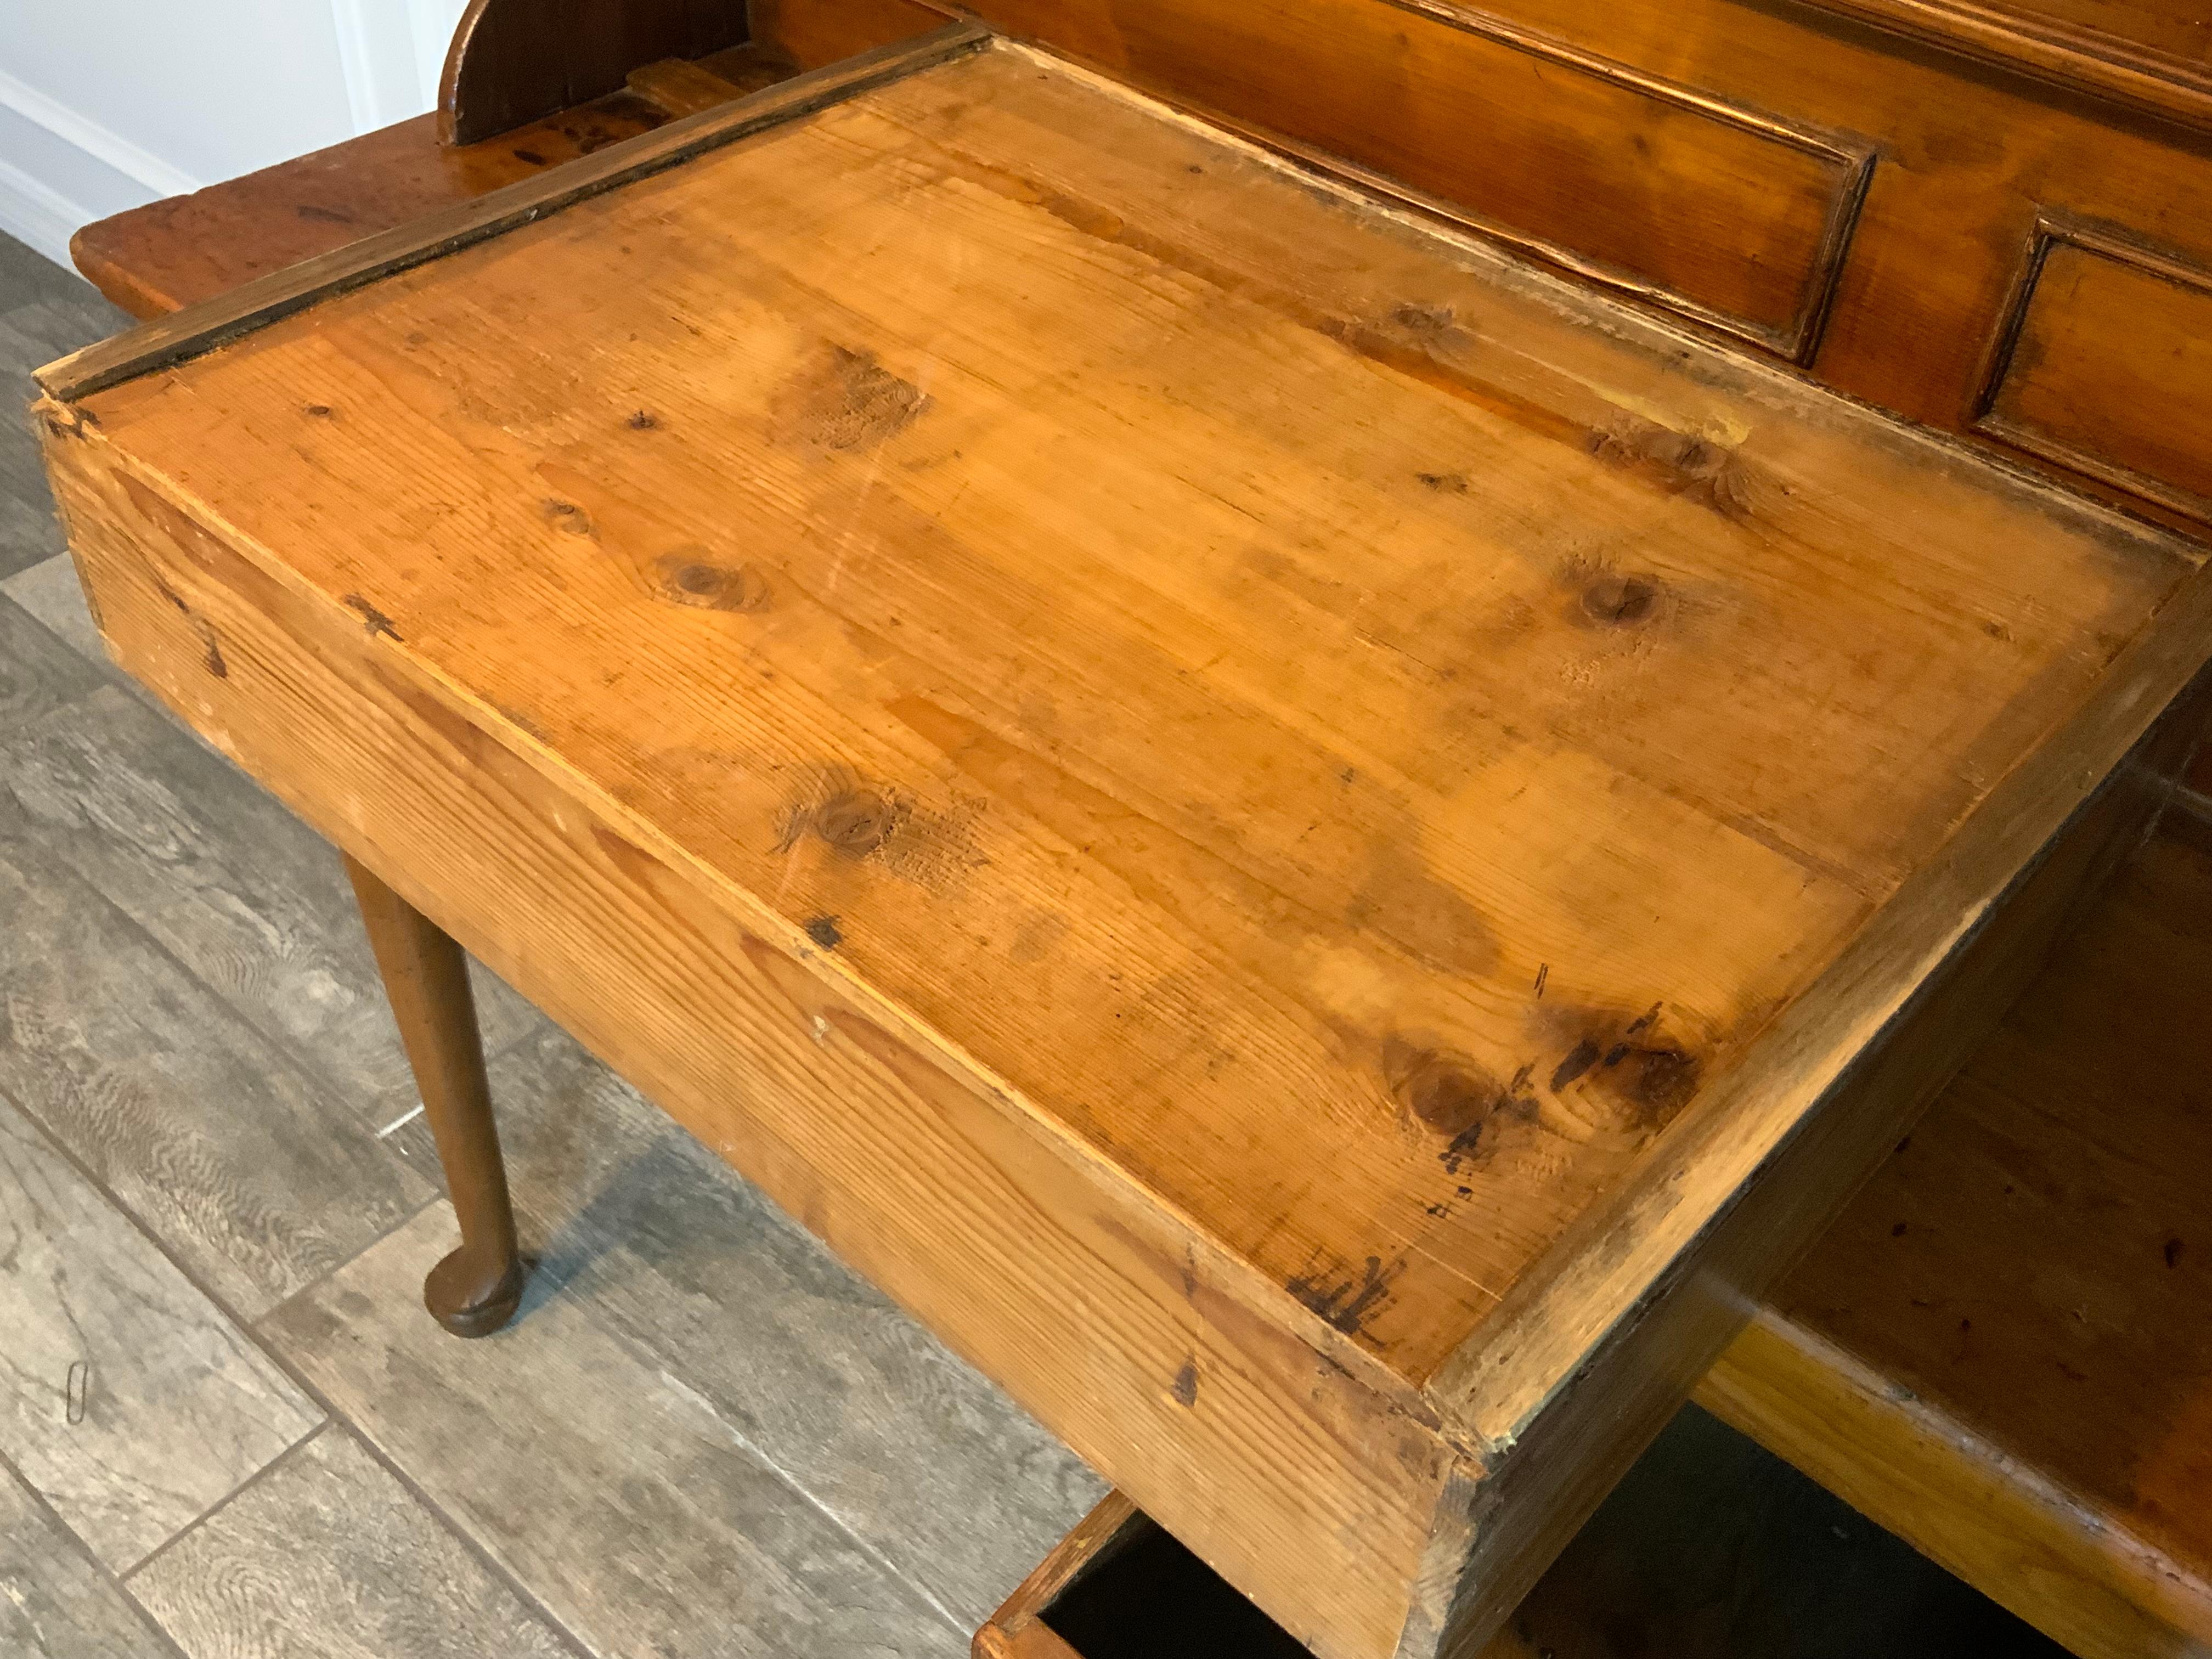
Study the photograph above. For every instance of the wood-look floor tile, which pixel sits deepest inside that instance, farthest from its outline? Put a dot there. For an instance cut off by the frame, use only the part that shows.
(240, 892)
(55, 1603)
(38, 672)
(127, 1400)
(912, 1450)
(51, 593)
(329, 1557)
(642, 1518)
(246, 1167)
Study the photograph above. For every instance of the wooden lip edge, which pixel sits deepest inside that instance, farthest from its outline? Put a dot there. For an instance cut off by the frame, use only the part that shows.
(2078, 60)
(216, 322)
(1817, 1362)
(1572, 1300)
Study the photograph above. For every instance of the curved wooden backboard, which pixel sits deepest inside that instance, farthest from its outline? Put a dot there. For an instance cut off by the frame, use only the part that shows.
(513, 61)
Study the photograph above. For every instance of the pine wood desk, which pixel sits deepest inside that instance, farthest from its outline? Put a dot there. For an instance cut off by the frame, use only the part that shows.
(1317, 849)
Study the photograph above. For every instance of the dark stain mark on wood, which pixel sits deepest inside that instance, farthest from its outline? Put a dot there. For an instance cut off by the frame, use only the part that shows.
(687, 576)
(643, 420)
(530, 155)
(1579, 1059)
(319, 411)
(2172, 1252)
(1638, 1076)
(1478, 1142)
(846, 400)
(1342, 1295)
(1543, 972)
(324, 216)
(1445, 484)
(373, 622)
(211, 647)
(1697, 469)
(567, 516)
(1897, 1232)
(1185, 1386)
(822, 930)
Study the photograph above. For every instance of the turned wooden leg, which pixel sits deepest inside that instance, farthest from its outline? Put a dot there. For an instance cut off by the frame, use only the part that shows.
(474, 1291)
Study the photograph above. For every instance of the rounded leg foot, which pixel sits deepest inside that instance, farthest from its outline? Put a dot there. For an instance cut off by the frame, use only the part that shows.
(471, 1297)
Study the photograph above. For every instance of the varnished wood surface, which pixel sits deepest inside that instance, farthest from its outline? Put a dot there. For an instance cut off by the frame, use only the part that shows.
(2154, 55)
(512, 62)
(1999, 1351)
(1790, 175)
(1628, 430)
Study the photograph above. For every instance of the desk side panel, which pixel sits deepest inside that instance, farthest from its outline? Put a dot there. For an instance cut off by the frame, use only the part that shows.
(1117, 1327)
(1537, 1491)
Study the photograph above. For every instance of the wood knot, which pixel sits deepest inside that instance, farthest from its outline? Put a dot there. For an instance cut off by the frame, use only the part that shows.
(567, 516)
(856, 822)
(1617, 601)
(688, 579)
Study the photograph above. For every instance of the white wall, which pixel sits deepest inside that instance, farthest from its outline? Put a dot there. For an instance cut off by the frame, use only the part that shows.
(104, 104)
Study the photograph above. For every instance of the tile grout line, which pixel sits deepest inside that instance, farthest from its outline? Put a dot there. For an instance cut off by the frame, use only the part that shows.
(174, 1647)
(251, 1330)
(219, 1504)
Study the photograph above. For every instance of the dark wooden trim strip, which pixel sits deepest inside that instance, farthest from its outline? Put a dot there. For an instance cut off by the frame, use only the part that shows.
(2079, 59)
(202, 328)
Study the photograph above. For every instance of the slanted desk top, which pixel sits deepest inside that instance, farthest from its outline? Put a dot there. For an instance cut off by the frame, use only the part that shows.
(1265, 816)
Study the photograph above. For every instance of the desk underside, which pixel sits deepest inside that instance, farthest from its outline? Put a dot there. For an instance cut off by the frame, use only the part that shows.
(1213, 787)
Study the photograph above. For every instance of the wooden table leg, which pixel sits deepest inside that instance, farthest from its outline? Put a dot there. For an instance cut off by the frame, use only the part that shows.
(473, 1291)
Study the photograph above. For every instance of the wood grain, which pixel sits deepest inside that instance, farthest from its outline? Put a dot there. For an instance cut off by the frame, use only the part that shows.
(54, 1602)
(1997, 1353)
(175, 1405)
(1261, 671)
(645, 1518)
(254, 305)
(329, 1557)
(187, 249)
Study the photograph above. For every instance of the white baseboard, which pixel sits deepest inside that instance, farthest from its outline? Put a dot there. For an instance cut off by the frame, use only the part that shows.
(34, 213)
(118, 154)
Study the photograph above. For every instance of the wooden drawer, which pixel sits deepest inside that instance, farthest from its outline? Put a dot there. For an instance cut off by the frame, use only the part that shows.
(2107, 365)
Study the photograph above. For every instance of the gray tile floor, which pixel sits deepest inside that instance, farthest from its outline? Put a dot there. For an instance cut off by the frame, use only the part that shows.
(228, 1428)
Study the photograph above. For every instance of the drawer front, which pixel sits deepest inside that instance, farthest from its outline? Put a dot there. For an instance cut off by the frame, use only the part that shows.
(2107, 365)
(1732, 217)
